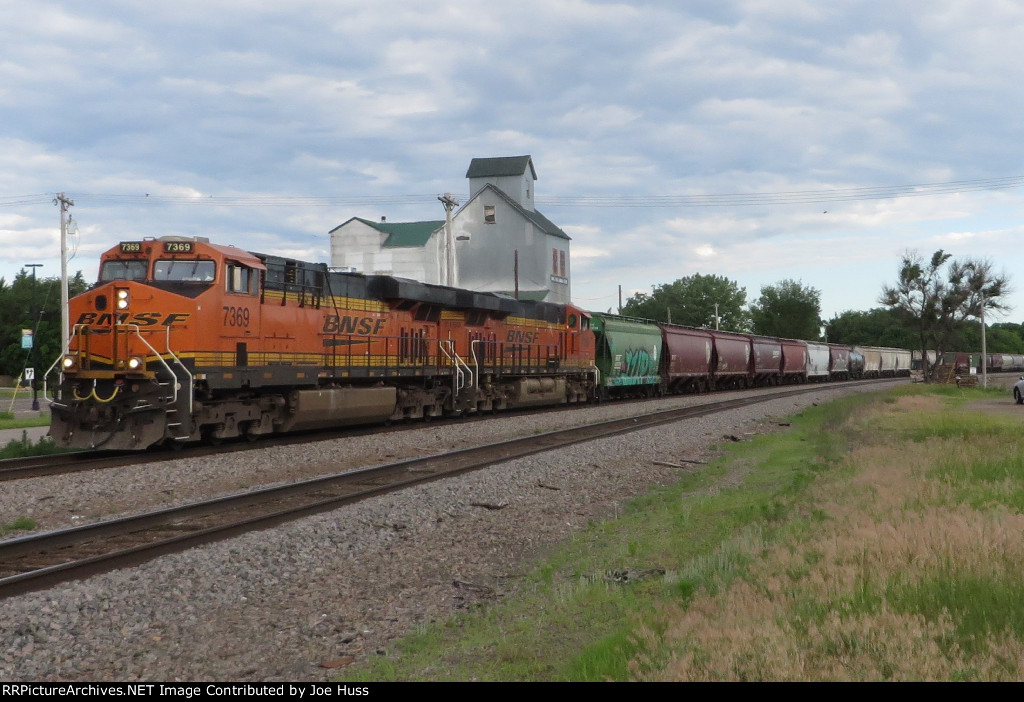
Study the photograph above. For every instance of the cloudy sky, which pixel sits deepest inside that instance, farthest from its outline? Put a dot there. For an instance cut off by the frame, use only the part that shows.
(760, 140)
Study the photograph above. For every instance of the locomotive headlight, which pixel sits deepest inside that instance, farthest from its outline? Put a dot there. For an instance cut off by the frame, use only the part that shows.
(122, 299)
(69, 363)
(135, 363)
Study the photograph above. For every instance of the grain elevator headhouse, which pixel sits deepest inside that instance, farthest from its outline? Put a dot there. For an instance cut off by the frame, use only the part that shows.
(501, 242)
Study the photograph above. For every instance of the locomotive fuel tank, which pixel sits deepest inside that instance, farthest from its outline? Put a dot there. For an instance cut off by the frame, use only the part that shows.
(334, 407)
(532, 392)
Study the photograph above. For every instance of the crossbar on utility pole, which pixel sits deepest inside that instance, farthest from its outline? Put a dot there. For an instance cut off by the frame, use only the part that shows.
(451, 276)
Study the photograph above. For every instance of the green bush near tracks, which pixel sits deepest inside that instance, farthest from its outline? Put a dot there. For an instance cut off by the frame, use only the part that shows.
(878, 539)
(19, 524)
(23, 447)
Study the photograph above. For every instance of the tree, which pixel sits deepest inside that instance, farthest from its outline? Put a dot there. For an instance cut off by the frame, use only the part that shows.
(788, 310)
(691, 301)
(999, 338)
(32, 304)
(937, 297)
(876, 327)
(1013, 328)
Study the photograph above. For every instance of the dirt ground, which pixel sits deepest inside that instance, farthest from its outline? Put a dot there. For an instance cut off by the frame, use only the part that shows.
(1001, 405)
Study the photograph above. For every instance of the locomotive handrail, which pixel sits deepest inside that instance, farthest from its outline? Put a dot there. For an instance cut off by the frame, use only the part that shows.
(457, 377)
(191, 378)
(469, 371)
(472, 352)
(447, 347)
(174, 385)
(64, 352)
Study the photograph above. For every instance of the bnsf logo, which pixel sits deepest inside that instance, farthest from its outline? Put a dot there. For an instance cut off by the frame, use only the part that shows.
(347, 324)
(520, 337)
(143, 319)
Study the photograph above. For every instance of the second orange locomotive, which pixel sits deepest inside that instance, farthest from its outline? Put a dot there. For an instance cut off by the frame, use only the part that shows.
(182, 340)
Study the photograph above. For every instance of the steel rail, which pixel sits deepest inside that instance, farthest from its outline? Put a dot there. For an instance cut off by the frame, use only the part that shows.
(39, 561)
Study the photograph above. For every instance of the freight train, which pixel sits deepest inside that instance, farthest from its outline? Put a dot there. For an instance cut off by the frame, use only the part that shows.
(966, 362)
(182, 340)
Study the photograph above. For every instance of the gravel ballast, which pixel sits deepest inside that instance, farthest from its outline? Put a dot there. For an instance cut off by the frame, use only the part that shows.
(298, 601)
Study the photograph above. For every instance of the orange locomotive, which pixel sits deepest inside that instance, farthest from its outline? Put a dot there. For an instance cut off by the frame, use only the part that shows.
(182, 339)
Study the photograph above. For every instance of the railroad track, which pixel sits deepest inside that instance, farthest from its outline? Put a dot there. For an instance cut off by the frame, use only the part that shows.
(75, 462)
(67, 463)
(39, 561)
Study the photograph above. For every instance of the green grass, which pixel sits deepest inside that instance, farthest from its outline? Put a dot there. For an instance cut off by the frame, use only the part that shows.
(23, 447)
(980, 606)
(571, 623)
(9, 421)
(19, 524)
(873, 541)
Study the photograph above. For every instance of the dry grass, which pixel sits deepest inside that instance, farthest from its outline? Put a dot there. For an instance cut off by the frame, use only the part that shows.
(855, 598)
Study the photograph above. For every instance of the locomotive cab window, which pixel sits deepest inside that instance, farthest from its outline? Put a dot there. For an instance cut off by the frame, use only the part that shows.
(184, 270)
(240, 279)
(123, 270)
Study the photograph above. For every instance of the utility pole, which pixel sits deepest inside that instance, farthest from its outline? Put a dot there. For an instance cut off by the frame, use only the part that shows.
(65, 327)
(449, 203)
(515, 271)
(984, 351)
(35, 338)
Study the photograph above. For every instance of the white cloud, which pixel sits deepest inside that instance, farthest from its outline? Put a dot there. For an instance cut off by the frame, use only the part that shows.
(335, 97)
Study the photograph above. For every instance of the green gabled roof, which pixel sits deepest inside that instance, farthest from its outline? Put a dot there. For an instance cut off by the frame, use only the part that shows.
(501, 166)
(404, 234)
(539, 220)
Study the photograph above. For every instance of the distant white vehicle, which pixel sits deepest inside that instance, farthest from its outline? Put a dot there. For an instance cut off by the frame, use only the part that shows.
(1018, 391)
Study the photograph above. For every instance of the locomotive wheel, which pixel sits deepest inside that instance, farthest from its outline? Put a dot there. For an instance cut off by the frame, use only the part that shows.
(209, 438)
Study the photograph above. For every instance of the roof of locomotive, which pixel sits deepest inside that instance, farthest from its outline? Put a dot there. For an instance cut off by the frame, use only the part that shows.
(387, 287)
(198, 243)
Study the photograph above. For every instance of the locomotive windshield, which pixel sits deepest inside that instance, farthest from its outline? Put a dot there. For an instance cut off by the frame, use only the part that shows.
(123, 270)
(184, 270)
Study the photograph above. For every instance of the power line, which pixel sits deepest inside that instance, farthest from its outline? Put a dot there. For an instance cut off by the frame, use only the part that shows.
(735, 199)
(787, 197)
(254, 200)
(18, 200)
